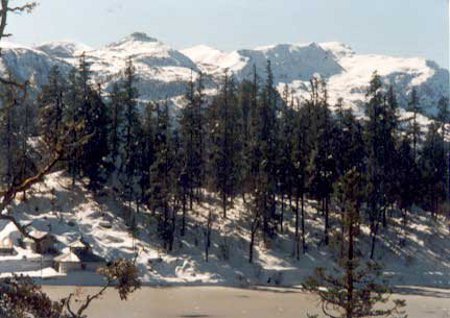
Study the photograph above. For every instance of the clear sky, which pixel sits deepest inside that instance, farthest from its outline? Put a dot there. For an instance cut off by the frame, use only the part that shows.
(397, 27)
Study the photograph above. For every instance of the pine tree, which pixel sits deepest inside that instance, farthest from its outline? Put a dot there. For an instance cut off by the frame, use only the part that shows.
(192, 138)
(163, 176)
(444, 117)
(380, 148)
(225, 144)
(88, 111)
(248, 103)
(51, 108)
(96, 149)
(347, 149)
(354, 290)
(72, 117)
(414, 129)
(321, 166)
(433, 165)
(117, 115)
(266, 149)
(131, 130)
(12, 99)
(300, 153)
(407, 174)
(146, 148)
(284, 164)
(347, 141)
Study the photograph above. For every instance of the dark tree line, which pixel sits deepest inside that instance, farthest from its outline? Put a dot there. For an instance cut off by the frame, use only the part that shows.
(246, 141)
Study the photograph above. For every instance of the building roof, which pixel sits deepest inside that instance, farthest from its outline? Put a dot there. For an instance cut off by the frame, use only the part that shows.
(67, 258)
(6, 243)
(38, 235)
(78, 244)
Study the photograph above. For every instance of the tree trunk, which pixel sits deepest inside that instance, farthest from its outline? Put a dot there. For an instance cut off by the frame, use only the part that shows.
(282, 213)
(172, 229)
(405, 225)
(327, 221)
(342, 250)
(244, 200)
(384, 219)
(191, 198)
(254, 229)
(208, 236)
(374, 235)
(303, 223)
(350, 279)
(297, 236)
(183, 221)
(224, 205)
(250, 251)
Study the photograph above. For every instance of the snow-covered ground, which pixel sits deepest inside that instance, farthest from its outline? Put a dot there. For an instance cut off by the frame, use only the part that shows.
(73, 212)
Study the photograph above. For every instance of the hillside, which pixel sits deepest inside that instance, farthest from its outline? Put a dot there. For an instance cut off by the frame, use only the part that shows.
(73, 212)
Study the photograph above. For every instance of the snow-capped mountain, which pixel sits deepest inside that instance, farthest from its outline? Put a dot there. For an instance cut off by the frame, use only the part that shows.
(431, 81)
(163, 72)
(24, 63)
(346, 72)
(289, 62)
(63, 49)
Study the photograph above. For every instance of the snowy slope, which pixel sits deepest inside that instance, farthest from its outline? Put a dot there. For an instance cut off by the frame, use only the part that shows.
(215, 62)
(161, 71)
(152, 59)
(431, 81)
(74, 212)
(289, 62)
(346, 72)
(64, 49)
(24, 63)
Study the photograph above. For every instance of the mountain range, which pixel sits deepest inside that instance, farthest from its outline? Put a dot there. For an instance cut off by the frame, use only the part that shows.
(163, 72)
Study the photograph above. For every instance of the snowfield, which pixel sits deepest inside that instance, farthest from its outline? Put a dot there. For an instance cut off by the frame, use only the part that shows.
(71, 213)
(164, 72)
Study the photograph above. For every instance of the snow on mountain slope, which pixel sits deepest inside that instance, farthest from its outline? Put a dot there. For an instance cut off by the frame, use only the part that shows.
(338, 49)
(73, 212)
(149, 56)
(24, 63)
(216, 62)
(431, 81)
(289, 62)
(63, 49)
(161, 71)
(346, 72)
(204, 54)
(164, 72)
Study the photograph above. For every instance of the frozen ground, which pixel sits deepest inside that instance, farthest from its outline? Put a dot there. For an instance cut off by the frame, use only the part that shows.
(236, 303)
(73, 212)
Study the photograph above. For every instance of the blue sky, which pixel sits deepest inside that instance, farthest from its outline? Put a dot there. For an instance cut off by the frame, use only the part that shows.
(397, 27)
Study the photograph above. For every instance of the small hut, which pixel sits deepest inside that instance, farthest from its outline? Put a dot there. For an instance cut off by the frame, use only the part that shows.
(79, 257)
(67, 262)
(6, 247)
(42, 243)
(79, 246)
